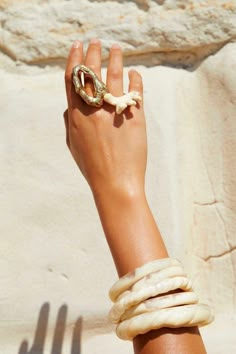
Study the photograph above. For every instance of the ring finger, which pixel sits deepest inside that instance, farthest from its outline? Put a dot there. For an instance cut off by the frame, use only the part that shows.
(115, 71)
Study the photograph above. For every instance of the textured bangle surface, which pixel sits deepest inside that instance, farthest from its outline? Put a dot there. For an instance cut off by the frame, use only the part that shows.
(173, 317)
(129, 279)
(132, 298)
(156, 277)
(161, 302)
(156, 295)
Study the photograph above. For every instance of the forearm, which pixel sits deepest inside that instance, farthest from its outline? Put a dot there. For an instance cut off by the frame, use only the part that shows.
(134, 239)
(130, 229)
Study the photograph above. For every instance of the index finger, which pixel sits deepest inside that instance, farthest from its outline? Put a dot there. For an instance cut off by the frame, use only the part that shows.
(75, 58)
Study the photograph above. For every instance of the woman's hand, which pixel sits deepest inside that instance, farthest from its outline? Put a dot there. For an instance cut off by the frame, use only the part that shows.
(111, 152)
(110, 149)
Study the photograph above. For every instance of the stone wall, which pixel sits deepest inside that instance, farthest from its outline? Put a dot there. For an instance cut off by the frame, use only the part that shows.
(56, 268)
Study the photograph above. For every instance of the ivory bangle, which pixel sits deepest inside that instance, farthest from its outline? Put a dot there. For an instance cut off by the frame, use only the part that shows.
(129, 279)
(129, 298)
(156, 277)
(158, 303)
(174, 317)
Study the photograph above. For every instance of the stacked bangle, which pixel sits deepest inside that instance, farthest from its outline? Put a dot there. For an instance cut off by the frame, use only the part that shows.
(158, 294)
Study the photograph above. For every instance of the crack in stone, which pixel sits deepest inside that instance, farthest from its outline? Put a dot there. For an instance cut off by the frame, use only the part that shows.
(206, 259)
(6, 51)
(214, 202)
(223, 222)
(231, 248)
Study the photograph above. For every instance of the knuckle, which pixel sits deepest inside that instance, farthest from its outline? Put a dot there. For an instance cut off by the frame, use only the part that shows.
(138, 86)
(98, 119)
(116, 74)
(93, 67)
(75, 124)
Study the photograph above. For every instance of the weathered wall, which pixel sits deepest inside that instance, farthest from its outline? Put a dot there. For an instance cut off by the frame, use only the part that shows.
(154, 32)
(55, 266)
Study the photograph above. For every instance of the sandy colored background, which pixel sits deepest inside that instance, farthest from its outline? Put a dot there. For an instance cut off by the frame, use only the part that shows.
(55, 265)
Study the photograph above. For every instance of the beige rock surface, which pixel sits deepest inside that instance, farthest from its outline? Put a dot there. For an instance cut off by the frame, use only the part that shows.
(41, 31)
(55, 266)
(53, 244)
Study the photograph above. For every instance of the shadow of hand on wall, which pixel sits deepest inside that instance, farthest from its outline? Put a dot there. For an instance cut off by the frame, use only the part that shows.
(58, 336)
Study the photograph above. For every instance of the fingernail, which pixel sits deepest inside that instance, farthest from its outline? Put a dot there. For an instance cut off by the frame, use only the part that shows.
(115, 46)
(76, 44)
(95, 41)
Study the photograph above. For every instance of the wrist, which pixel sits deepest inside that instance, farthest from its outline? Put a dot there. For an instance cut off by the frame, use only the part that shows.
(118, 196)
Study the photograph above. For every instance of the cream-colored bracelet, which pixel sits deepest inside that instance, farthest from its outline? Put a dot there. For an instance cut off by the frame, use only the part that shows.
(173, 317)
(128, 300)
(144, 300)
(161, 302)
(129, 279)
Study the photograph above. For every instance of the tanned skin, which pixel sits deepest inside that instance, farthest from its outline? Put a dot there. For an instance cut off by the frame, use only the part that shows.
(111, 153)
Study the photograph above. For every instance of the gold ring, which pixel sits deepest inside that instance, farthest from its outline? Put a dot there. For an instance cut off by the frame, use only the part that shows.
(100, 88)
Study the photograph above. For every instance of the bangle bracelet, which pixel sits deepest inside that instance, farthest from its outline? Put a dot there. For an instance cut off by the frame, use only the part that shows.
(129, 279)
(156, 277)
(161, 302)
(144, 300)
(130, 299)
(173, 317)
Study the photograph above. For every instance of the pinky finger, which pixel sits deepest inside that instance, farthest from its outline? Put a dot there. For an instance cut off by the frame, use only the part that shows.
(135, 82)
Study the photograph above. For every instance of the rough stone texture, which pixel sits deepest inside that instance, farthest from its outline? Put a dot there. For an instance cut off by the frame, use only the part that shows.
(154, 32)
(210, 198)
(55, 266)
